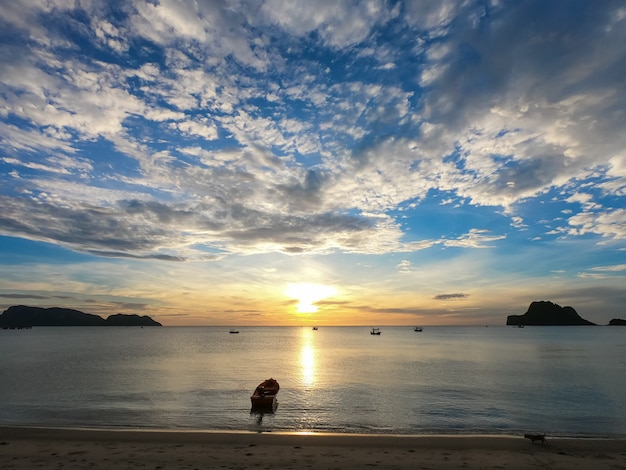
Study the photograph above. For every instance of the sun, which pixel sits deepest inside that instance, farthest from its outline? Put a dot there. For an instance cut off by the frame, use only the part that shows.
(307, 294)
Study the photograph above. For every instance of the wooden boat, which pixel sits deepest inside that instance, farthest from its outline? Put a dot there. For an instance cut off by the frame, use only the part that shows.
(375, 331)
(315, 328)
(417, 328)
(264, 396)
(234, 332)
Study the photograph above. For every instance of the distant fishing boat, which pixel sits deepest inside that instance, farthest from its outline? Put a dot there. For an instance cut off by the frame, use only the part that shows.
(315, 328)
(417, 328)
(234, 332)
(375, 331)
(264, 396)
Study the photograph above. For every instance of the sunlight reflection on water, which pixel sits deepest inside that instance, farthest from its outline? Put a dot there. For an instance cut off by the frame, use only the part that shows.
(307, 358)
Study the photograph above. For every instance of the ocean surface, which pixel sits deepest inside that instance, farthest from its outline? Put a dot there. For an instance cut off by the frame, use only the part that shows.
(564, 381)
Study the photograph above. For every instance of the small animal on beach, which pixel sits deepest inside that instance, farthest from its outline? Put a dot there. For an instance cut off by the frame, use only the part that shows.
(536, 437)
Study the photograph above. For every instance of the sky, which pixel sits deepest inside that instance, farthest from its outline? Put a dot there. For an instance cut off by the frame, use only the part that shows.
(326, 162)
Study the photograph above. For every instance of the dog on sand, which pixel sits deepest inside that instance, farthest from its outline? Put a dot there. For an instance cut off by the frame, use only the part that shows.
(536, 437)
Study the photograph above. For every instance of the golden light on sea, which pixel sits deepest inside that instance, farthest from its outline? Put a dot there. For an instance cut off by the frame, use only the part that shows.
(307, 362)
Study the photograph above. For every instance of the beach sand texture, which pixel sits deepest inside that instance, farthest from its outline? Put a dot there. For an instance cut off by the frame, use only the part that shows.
(32, 448)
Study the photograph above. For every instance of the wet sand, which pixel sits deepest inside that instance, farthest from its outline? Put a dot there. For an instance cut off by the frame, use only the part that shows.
(37, 448)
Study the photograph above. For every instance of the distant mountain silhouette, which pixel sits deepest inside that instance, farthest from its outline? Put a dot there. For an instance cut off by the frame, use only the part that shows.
(617, 322)
(120, 319)
(21, 315)
(544, 313)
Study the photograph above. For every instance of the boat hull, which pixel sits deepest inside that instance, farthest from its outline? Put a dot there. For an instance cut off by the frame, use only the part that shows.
(267, 403)
(264, 396)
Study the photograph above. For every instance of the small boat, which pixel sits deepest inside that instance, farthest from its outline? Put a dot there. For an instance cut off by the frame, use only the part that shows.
(234, 332)
(417, 328)
(375, 331)
(315, 328)
(264, 396)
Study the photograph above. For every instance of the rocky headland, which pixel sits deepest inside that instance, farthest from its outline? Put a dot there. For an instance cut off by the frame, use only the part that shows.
(542, 313)
(20, 316)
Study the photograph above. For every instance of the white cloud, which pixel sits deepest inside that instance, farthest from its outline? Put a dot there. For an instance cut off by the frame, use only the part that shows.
(585, 200)
(518, 222)
(212, 24)
(431, 15)
(404, 266)
(202, 129)
(613, 268)
(475, 238)
(610, 224)
(110, 35)
(30, 140)
(340, 23)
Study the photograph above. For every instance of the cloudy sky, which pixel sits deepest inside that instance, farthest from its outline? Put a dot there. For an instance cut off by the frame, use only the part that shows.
(266, 162)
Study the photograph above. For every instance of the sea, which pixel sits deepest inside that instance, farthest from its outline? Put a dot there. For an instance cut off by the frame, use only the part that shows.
(496, 380)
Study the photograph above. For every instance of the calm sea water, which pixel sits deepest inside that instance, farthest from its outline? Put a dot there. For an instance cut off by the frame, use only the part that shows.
(566, 381)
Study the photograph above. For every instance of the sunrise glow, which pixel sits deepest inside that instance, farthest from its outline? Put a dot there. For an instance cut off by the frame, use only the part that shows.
(308, 294)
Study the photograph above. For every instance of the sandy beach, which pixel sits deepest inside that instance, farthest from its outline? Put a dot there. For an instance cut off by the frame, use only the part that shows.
(36, 448)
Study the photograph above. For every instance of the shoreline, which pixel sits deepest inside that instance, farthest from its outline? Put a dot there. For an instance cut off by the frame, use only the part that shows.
(216, 431)
(36, 447)
(44, 428)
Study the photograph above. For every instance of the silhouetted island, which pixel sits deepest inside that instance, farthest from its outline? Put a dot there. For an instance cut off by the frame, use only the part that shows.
(544, 313)
(617, 322)
(21, 316)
